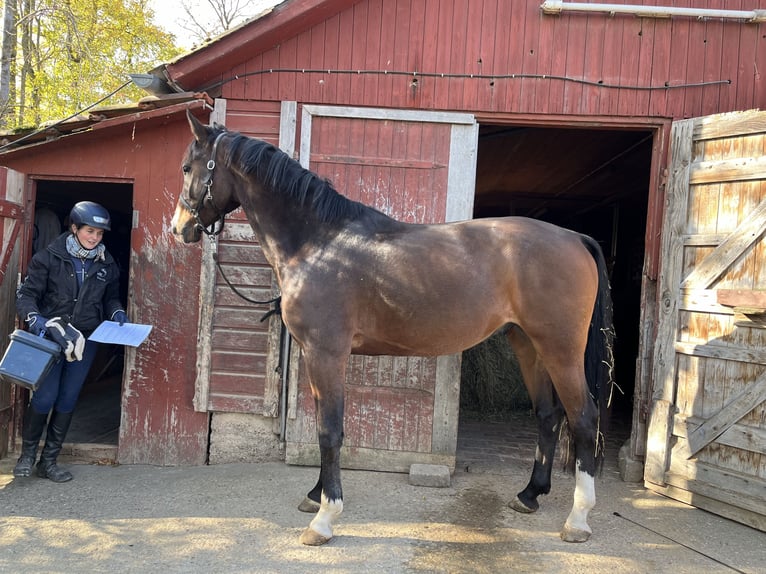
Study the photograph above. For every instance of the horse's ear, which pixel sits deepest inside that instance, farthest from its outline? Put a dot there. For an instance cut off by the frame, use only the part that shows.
(199, 130)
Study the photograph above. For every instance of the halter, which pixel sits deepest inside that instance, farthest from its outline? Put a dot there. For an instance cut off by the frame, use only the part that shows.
(211, 230)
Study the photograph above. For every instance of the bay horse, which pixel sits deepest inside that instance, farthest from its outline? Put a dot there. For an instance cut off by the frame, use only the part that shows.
(355, 281)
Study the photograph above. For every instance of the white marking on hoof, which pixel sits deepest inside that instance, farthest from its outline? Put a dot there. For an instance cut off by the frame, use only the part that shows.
(320, 529)
(576, 528)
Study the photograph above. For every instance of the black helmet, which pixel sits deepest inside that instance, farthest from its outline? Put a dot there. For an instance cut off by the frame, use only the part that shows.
(90, 213)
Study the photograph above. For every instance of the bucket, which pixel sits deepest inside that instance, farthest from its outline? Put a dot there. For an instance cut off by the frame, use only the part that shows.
(28, 359)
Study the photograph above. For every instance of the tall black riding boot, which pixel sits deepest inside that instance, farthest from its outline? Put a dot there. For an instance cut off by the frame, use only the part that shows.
(57, 429)
(31, 431)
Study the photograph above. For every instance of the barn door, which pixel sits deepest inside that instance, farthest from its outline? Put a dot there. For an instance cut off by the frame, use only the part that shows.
(707, 432)
(417, 167)
(11, 224)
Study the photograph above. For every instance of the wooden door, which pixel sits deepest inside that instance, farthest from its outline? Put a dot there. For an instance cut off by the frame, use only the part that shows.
(11, 224)
(417, 167)
(707, 431)
(237, 356)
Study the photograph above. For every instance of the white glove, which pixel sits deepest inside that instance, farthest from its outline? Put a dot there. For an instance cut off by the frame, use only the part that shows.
(68, 338)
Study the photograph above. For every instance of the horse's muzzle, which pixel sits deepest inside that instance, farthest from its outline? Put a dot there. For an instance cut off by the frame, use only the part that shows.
(184, 226)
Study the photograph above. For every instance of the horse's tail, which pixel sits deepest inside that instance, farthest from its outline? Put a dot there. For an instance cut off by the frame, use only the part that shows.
(599, 359)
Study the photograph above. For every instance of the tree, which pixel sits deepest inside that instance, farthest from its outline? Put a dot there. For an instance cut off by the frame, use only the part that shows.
(8, 57)
(64, 55)
(205, 19)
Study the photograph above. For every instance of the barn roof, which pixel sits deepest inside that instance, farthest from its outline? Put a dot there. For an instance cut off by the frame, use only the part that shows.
(198, 69)
(146, 109)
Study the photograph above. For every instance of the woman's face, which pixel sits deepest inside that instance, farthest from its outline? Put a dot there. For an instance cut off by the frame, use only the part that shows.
(89, 237)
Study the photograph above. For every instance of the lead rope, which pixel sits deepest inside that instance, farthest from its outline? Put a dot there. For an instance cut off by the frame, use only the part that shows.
(276, 300)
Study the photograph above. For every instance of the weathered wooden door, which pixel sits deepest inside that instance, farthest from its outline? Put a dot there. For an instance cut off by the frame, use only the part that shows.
(417, 167)
(237, 351)
(707, 432)
(11, 224)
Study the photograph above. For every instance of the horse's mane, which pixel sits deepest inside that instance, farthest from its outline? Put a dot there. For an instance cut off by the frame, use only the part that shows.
(281, 174)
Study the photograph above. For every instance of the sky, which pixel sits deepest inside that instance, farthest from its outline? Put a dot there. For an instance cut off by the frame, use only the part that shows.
(170, 14)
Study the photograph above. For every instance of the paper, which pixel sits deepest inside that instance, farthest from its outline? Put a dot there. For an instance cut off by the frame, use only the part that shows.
(132, 334)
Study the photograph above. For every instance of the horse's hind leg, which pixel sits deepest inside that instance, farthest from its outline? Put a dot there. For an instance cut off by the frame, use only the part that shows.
(549, 414)
(582, 416)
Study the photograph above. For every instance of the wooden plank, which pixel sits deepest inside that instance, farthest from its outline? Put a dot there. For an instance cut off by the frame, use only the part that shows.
(744, 437)
(740, 483)
(742, 298)
(733, 124)
(711, 268)
(717, 351)
(739, 169)
(658, 453)
(723, 487)
(737, 408)
(660, 425)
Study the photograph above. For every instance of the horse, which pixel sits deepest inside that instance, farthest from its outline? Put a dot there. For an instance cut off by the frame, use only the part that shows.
(356, 281)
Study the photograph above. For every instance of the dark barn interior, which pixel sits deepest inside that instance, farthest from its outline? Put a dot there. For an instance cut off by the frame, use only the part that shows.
(594, 181)
(97, 415)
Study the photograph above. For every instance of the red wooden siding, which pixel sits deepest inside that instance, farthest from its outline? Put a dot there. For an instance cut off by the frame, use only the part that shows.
(239, 339)
(158, 425)
(498, 38)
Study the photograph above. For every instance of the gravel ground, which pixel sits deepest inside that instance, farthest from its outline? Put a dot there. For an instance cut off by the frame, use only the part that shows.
(243, 518)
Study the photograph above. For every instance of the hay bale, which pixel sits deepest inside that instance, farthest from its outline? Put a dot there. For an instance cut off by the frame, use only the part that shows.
(491, 385)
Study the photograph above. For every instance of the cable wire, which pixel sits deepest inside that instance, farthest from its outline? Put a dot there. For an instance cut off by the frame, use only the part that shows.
(490, 77)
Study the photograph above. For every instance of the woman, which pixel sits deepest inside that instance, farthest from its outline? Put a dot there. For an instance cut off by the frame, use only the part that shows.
(70, 288)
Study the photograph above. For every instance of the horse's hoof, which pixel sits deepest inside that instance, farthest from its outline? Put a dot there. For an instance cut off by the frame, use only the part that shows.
(309, 505)
(519, 506)
(570, 534)
(312, 538)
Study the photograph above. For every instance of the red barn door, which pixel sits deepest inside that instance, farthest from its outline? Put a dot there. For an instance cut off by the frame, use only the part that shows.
(417, 167)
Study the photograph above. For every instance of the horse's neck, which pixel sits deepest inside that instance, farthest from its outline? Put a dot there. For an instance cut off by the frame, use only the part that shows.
(274, 225)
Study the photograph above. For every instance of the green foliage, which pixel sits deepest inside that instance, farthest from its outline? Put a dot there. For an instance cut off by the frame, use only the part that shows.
(72, 53)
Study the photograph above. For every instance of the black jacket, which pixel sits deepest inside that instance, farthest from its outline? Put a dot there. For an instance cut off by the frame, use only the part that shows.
(50, 288)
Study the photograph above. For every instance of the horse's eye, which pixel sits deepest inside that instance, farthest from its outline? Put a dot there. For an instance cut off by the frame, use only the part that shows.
(186, 168)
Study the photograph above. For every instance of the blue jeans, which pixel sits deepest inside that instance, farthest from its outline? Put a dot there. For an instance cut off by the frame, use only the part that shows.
(61, 387)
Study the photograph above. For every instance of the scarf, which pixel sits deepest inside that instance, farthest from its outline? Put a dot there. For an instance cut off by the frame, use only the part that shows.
(74, 249)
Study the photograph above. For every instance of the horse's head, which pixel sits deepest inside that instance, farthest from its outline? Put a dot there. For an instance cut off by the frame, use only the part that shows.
(205, 199)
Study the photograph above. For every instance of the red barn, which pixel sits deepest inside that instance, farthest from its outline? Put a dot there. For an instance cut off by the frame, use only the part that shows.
(598, 117)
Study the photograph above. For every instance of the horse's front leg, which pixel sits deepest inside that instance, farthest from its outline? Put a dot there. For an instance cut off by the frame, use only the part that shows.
(313, 499)
(327, 378)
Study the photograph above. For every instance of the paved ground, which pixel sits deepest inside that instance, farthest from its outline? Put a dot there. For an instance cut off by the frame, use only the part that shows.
(242, 518)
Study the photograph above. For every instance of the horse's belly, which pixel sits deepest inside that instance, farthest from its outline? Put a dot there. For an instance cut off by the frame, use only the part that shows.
(419, 344)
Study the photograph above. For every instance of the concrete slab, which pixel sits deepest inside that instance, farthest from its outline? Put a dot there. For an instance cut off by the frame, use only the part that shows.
(433, 475)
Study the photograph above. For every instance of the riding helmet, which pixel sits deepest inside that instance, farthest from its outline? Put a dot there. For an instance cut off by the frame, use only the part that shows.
(90, 213)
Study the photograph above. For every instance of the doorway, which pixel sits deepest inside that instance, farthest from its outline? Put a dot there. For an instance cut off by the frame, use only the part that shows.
(96, 418)
(594, 181)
